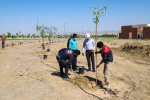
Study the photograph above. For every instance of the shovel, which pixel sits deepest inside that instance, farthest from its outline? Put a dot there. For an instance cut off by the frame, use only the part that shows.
(74, 73)
(71, 70)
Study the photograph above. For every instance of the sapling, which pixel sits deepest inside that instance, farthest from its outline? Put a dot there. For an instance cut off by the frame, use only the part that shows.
(97, 12)
(52, 30)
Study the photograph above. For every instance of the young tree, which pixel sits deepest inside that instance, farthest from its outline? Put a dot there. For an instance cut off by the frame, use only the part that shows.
(97, 12)
(42, 30)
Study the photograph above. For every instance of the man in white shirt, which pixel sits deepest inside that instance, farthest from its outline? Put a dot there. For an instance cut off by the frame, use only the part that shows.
(90, 47)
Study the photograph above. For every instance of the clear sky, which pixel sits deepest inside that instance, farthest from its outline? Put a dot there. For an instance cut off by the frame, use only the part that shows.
(22, 15)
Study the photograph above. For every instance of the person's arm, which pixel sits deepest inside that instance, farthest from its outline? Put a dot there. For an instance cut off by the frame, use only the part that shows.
(70, 60)
(103, 60)
(83, 46)
(70, 43)
(93, 44)
(104, 57)
(98, 52)
(77, 45)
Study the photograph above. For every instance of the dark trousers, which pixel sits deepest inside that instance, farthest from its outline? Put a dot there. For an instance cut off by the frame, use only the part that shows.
(63, 64)
(3, 44)
(89, 55)
(74, 63)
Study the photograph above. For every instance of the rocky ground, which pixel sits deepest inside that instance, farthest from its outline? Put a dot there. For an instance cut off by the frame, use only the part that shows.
(25, 75)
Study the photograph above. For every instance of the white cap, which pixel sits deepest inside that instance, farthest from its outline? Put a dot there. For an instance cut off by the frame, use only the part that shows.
(87, 35)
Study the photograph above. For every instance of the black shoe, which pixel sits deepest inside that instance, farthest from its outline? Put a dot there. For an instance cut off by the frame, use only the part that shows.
(62, 75)
(89, 69)
(66, 78)
(93, 70)
(74, 69)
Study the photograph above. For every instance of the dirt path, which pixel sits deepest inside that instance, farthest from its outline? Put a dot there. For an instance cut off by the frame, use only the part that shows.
(25, 75)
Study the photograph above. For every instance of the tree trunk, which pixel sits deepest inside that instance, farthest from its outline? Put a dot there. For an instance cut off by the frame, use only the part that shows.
(96, 54)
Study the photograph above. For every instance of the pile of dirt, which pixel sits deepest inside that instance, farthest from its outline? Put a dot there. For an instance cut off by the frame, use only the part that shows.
(83, 82)
(136, 48)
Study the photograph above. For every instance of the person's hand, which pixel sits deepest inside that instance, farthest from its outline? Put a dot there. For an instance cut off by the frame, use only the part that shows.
(96, 52)
(71, 68)
(97, 65)
(92, 50)
(82, 54)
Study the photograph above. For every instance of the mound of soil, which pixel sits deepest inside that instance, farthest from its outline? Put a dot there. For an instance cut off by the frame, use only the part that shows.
(136, 48)
(83, 82)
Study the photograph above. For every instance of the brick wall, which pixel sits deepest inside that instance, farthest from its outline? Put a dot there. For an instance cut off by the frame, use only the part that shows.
(135, 32)
(127, 29)
(146, 32)
(125, 35)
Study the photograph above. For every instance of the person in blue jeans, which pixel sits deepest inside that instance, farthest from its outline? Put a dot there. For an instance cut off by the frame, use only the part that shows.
(73, 46)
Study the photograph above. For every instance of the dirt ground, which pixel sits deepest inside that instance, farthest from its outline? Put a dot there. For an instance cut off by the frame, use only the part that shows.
(25, 75)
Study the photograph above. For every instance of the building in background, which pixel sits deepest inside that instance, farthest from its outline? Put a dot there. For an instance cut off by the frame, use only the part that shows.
(141, 31)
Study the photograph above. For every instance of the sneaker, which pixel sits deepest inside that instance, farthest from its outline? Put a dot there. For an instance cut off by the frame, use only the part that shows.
(106, 86)
(74, 69)
(66, 79)
(93, 70)
(62, 75)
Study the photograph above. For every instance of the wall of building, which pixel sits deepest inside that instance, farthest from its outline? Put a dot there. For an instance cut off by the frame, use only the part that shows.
(146, 32)
(141, 31)
(125, 35)
(136, 32)
(127, 29)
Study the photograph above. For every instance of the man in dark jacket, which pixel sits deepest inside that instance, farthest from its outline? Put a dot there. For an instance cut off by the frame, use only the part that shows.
(107, 56)
(65, 57)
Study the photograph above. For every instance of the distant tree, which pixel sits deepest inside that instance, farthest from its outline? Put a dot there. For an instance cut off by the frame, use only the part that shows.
(14, 36)
(33, 35)
(4, 36)
(28, 36)
(8, 34)
(17, 34)
(22, 36)
(20, 33)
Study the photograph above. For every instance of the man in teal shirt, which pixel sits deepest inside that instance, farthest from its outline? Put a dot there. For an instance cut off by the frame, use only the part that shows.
(73, 46)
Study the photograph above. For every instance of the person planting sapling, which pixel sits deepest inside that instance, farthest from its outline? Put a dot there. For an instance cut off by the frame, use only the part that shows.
(107, 59)
(65, 57)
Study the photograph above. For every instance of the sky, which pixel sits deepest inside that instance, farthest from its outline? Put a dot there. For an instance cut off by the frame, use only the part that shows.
(75, 15)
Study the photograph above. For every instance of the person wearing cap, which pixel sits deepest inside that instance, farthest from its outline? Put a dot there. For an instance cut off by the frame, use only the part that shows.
(62, 57)
(69, 40)
(107, 59)
(90, 47)
(73, 46)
